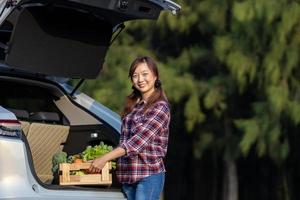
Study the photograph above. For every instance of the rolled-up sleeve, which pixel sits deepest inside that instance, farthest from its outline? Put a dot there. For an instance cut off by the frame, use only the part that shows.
(155, 120)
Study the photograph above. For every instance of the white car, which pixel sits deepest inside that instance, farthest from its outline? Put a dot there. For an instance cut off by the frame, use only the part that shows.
(43, 43)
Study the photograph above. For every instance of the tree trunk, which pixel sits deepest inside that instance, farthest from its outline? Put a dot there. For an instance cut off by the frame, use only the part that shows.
(215, 176)
(286, 192)
(230, 181)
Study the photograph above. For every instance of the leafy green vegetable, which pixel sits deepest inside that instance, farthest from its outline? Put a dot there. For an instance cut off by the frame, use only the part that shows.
(91, 153)
(60, 157)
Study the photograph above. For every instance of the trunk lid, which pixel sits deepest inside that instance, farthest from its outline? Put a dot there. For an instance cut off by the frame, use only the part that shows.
(68, 38)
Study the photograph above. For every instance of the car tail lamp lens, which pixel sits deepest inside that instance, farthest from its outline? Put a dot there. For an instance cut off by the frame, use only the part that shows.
(10, 128)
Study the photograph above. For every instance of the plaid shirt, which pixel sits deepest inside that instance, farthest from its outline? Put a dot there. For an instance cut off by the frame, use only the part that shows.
(144, 136)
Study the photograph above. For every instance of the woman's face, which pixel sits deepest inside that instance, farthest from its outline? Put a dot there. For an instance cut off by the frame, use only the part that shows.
(143, 80)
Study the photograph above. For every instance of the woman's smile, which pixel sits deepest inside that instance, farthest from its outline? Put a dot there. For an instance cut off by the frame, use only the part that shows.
(143, 80)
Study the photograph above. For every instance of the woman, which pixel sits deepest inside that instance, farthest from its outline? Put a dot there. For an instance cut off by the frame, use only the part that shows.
(144, 135)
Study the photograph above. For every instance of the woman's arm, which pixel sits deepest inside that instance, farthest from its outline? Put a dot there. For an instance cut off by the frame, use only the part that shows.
(100, 162)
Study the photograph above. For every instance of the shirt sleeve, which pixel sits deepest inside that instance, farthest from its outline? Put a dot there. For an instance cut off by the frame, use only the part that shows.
(157, 118)
(122, 137)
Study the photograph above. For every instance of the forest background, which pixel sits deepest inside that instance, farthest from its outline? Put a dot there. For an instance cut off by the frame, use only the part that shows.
(231, 71)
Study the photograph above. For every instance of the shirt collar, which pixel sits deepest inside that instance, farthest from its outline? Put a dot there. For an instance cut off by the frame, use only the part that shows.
(141, 102)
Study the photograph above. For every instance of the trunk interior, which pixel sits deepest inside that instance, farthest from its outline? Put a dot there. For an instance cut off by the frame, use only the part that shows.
(51, 123)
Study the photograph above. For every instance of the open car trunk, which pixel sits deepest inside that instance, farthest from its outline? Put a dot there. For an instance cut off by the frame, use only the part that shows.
(50, 129)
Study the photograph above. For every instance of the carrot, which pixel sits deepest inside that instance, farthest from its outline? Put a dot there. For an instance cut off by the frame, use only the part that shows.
(78, 160)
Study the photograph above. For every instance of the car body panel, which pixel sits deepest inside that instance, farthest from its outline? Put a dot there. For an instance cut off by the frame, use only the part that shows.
(5, 114)
(17, 181)
(14, 174)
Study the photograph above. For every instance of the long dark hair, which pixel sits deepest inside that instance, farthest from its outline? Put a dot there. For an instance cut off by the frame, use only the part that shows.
(158, 94)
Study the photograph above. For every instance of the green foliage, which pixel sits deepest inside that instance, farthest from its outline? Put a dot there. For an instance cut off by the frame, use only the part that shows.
(252, 130)
(243, 11)
(242, 68)
(294, 110)
(278, 97)
(261, 55)
(193, 113)
(203, 143)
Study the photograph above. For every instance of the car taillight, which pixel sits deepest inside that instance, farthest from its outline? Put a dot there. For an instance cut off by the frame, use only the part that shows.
(10, 128)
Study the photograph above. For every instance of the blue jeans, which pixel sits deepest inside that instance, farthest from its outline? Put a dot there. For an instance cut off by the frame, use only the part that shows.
(148, 188)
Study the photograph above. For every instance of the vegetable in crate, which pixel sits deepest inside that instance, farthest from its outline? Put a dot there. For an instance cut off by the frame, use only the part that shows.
(91, 153)
(60, 157)
(74, 158)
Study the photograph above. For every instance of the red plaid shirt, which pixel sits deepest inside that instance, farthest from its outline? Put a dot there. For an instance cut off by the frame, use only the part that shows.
(144, 136)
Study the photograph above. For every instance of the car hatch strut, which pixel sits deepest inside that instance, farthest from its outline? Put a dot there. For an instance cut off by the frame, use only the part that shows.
(119, 28)
(8, 4)
(76, 87)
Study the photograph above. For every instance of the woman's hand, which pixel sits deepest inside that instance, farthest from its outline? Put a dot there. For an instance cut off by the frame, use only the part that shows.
(97, 165)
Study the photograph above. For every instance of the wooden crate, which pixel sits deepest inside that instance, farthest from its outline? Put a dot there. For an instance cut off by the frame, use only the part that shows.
(104, 178)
